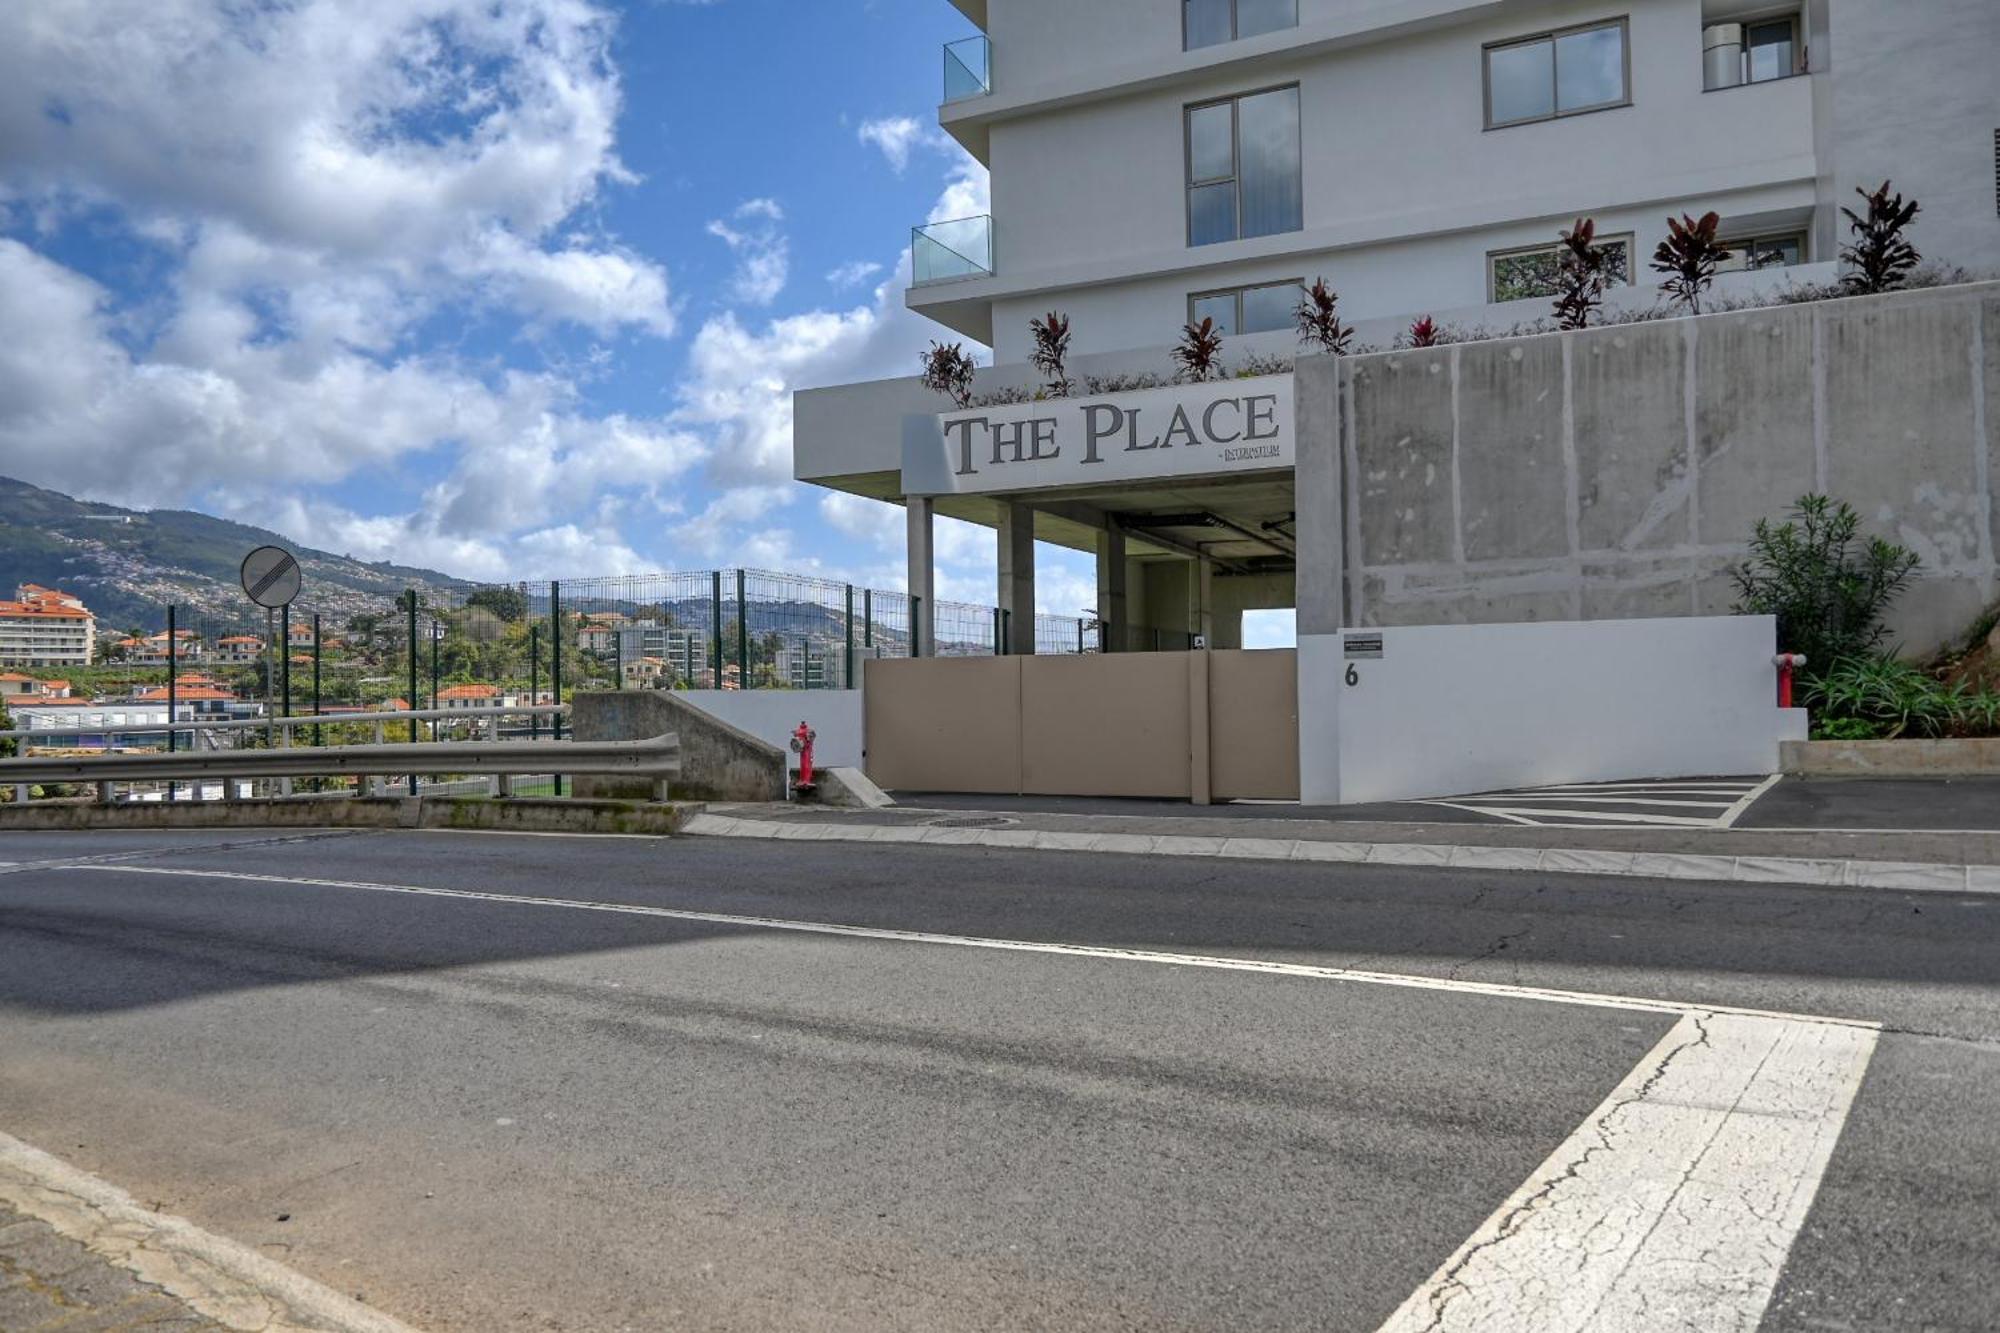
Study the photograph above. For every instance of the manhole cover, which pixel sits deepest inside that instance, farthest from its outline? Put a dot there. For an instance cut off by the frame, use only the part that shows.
(972, 821)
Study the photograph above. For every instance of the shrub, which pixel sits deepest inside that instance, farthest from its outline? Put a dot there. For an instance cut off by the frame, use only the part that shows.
(1199, 353)
(1894, 698)
(1582, 273)
(1318, 319)
(1829, 597)
(1254, 365)
(1425, 333)
(1050, 351)
(7, 743)
(1881, 256)
(1689, 256)
(948, 370)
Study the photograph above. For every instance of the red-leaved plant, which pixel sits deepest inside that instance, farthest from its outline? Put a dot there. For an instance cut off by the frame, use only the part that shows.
(1582, 273)
(1881, 257)
(1689, 257)
(948, 370)
(1199, 353)
(1424, 333)
(1319, 320)
(1050, 351)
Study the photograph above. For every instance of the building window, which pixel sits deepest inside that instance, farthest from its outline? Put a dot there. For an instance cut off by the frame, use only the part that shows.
(1267, 308)
(1243, 167)
(1213, 22)
(1782, 250)
(1561, 73)
(1518, 275)
(1771, 49)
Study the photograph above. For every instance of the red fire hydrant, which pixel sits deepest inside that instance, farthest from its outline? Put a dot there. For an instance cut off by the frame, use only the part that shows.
(1787, 664)
(802, 746)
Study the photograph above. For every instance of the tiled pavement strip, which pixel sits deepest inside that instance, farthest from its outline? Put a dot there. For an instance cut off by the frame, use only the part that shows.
(1941, 862)
(50, 1282)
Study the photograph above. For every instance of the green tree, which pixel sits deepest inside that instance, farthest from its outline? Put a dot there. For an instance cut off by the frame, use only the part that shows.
(510, 604)
(8, 746)
(1828, 590)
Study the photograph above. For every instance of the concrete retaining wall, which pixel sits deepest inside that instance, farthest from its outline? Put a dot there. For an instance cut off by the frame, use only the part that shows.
(1618, 473)
(718, 761)
(1892, 759)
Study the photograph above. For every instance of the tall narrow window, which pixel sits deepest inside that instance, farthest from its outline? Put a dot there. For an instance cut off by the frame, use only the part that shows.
(1771, 49)
(1243, 167)
(1213, 22)
(1558, 73)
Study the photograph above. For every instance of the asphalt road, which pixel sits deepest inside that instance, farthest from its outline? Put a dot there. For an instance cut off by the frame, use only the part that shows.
(482, 1114)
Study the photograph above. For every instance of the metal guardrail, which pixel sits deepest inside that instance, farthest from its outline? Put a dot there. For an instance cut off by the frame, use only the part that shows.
(658, 760)
(291, 722)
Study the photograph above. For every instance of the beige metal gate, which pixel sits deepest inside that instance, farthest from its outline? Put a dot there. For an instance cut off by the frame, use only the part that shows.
(1190, 726)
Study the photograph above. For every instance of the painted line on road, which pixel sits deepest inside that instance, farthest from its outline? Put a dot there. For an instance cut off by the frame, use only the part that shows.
(1830, 872)
(1675, 1204)
(1750, 798)
(1213, 962)
(222, 1279)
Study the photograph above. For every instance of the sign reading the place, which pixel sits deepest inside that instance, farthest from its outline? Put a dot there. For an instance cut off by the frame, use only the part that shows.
(271, 576)
(1187, 430)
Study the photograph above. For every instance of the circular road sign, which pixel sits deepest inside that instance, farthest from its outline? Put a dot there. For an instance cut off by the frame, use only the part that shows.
(271, 576)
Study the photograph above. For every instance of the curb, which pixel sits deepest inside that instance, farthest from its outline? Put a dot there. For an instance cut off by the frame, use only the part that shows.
(1806, 871)
(220, 1279)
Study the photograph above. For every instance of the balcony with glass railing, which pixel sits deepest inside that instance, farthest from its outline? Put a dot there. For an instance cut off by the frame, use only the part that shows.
(968, 69)
(949, 251)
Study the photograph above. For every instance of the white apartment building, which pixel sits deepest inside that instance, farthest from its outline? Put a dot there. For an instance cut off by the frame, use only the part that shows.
(1156, 162)
(45, 627)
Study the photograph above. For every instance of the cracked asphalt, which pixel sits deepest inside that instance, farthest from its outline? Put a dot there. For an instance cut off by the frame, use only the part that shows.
(485, 1115)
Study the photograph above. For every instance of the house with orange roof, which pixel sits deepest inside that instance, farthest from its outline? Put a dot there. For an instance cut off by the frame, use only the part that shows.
(45, 627)
(238, 650)
(474, 696)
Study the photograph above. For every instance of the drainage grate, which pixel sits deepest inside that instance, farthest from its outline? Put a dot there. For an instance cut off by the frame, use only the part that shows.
(972, 821)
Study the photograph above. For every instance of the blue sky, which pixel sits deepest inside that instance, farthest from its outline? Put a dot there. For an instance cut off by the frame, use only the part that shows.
(509, 288)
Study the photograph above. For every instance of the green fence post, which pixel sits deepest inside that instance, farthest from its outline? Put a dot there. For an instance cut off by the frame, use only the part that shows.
(555, 664)
(847, 669)
(173, 696)
(415, 696)
(916, 622)
(534, 681)
(285, 667)
(742, 635)
(318, 739)
(715, 629)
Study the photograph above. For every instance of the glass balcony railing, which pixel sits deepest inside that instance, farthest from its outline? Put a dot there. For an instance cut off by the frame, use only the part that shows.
(968, 68)
(944, 251)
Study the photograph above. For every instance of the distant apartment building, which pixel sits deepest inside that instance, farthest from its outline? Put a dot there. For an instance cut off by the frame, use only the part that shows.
(682, 648)
(45, 627)
(808, 665)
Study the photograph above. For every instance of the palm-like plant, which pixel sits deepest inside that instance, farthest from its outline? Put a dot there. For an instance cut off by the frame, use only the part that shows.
(1425, 333)
(948, 370)
(1199, 353)
(1318, 319)
(1880, 254)
(1690, 256)
(1582, 273)
(1050, 351)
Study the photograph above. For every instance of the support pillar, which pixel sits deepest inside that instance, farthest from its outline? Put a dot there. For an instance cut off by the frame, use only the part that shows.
(920, 511)
(1112, 612)
(1017, 578)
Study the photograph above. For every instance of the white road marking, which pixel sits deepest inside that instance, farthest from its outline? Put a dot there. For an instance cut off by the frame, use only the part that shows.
(1213, 962)
(1677, 1201)
(1749, 799)
(1675, 1204)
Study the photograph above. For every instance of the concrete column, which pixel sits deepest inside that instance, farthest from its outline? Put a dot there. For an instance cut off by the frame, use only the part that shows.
(1111, 605)
(919, 512)
(1017, 577)
(1317, 492)
(1201, 600)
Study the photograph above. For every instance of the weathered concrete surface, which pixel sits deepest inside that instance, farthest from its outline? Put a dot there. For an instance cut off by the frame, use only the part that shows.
(851, 789)
(1891, 759)
(1621, 471)
(718, 761)
(430, 812)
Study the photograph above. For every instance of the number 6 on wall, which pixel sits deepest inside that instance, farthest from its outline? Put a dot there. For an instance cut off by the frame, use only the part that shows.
(1353, 674)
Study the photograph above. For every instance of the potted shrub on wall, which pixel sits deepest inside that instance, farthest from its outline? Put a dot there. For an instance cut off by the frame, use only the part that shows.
(1318, 319)
(948, 370)
(1583, 271)
(1690, 256)
(1049, 351)
(1881, 256)
(1199, 353)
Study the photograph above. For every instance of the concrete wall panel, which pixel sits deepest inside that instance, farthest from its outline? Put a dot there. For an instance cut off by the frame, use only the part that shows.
(1513, 492)
(944, 723)
(1629, 416)
(1899, 427)
(1753, 418)
(1403, 457)
(1113, 725)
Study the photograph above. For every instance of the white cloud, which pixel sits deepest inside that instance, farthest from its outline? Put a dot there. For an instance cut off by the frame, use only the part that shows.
(763, 253)
(852, 274)
(896, 136)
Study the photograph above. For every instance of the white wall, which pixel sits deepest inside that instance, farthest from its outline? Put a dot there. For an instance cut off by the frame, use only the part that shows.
(1456, 709)
(773, 715)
